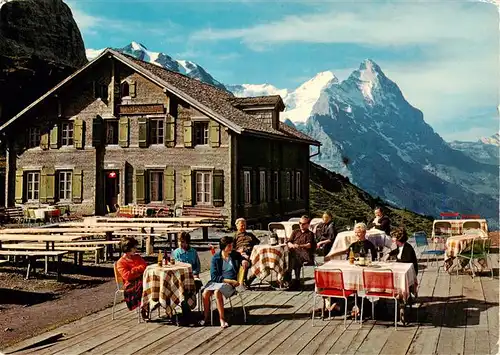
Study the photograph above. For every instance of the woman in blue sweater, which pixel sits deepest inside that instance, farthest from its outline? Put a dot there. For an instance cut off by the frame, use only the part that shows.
(223, 279)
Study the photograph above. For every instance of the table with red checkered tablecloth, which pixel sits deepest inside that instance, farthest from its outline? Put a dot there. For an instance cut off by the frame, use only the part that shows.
(168, 286)
(266, 257)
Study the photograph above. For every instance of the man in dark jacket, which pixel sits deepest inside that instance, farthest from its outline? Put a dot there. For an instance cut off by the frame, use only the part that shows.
(325, 234)
(301, 246)
(381, 221)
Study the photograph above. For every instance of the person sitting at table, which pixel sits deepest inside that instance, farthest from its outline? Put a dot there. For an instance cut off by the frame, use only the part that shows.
(362, 242)
(224, 270)
(325, 234)
(131, 267)
(244, 242)
(381, 221)
(301, 245)
(404, 252)
(186, 254)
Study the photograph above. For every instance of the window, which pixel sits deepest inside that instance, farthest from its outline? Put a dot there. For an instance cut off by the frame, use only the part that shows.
(247, 187)
(111, 131)
(156, 130)
(33, 137)
(155, 186)
(276, 183)
(203, 187)
(200, 133)
(32, 186)
(262, 186)
(64, 189)
(67, 133)
(100, 91)
(125, 89)
(288, 185)
(298, 184)
(264, 114)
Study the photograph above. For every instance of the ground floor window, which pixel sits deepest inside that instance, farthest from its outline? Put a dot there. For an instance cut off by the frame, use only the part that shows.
(262, 186)
(32, 186)
(155, 186)
(247, 186)
(276, 185)
(203, 187)
(298, 184)
(64, 185)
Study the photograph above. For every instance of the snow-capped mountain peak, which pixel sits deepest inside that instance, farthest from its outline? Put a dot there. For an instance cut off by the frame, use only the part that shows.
(493, 140)
(138, 46)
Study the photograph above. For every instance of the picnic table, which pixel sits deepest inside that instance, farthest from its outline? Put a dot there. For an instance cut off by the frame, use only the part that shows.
(33, 255)
(171, 233)
(168, 286)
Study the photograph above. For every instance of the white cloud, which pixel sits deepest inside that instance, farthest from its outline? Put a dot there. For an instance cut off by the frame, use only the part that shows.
(92, 53)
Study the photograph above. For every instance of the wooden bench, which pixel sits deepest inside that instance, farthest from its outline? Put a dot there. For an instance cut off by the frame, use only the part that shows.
(77, 250)
(15, 213)
(2, 261)
(33, 255)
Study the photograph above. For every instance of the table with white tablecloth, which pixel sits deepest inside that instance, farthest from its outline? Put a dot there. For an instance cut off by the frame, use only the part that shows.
(404, 274)
(345, 239)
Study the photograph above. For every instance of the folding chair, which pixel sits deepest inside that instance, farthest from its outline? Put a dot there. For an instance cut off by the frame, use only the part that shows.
(379, 284)
(330, 283)
(120, 289)
(421, 241)
(480, 250)
(236, 293)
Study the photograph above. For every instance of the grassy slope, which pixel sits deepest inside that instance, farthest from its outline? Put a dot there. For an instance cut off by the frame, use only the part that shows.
(348, 203)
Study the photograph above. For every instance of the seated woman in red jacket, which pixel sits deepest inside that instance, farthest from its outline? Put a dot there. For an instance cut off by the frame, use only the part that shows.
(131, 266)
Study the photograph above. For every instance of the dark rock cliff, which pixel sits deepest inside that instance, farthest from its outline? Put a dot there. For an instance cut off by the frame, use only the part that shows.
(40, 45)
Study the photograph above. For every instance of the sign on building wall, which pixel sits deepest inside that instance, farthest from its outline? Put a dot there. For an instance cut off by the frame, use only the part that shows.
(146, 109)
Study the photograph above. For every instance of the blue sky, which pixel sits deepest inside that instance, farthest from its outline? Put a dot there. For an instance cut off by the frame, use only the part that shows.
(444, 55)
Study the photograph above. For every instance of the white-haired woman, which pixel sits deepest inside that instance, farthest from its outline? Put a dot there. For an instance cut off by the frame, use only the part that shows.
(244, 242)
(362, 242)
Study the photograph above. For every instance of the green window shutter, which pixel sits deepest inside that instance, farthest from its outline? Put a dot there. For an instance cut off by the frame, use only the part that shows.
(188, 133)
(132, 89)
(123, 132)
(169, 184)
(170, 131)
(42, 192)
(218, 188)
(54, 137)
(143, 132)
(50, 181)
(77, 186)
(19, 186)
(140, 186)
(214, 134)
(97, 132)
(44, 140)
(78, 133)
(187, 193)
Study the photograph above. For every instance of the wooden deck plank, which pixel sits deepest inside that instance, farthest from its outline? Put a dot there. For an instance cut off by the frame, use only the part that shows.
(476, 331)
(432, 295)
(209, 332)
(490, 290)
(280, 331)
(452, 334)
(325, 338)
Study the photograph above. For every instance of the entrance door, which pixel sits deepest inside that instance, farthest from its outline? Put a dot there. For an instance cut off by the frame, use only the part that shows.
(111, 189)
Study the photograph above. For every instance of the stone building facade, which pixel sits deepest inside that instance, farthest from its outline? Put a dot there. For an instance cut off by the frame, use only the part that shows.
(121, 131)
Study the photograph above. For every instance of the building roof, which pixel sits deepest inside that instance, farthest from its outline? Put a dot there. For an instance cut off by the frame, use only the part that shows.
(271, 100)
(214, 102)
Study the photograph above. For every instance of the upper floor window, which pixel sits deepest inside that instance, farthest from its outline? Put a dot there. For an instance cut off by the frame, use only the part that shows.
(67, 133)
(247, 186)
(262, 186)
(157, 131)
(100, 91)
(298, 184)
(32, 185)
(111, 132)
(125, 89)
(203, 187)
(200, 133)
(155, 186)
(33, 137)
(64, 185)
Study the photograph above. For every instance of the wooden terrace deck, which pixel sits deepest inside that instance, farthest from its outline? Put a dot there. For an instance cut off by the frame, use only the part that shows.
(456, 315)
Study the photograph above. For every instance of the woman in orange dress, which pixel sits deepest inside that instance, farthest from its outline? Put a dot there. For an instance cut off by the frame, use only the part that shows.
(131, 266)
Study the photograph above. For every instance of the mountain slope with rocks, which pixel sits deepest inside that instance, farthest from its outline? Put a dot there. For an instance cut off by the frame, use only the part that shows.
(40, 44)
(485, 150)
